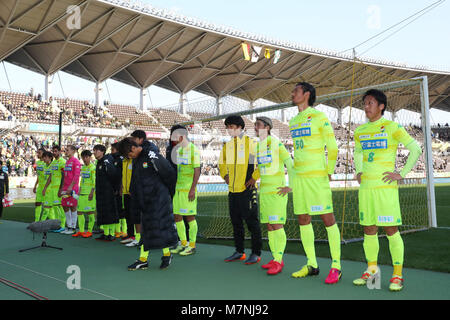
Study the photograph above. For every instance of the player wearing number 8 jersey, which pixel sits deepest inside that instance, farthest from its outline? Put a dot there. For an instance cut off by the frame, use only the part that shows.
(311, 132)
(376, 144)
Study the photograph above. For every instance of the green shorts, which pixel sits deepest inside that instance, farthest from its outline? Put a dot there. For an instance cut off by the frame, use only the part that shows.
(56, 199)
(47, 200)
(272, 208)
(379, 207)
(182, 205)
(84, 205)
(312, 196)
(39, 196)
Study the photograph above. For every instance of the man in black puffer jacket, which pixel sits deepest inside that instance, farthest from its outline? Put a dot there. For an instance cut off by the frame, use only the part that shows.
(106, 177)
(152, 182)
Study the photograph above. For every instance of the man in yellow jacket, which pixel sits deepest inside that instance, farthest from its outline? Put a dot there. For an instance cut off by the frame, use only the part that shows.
(237, 168)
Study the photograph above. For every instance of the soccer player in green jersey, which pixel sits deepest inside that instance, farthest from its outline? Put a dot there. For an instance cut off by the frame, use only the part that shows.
(187, 158)
(311, 132)
(376, 144)
(39, 185)
(272, 156)
(47, 194)
(86, 201)
(58, 165)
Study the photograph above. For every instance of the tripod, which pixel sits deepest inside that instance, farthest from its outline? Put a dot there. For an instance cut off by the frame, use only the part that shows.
(43, 244)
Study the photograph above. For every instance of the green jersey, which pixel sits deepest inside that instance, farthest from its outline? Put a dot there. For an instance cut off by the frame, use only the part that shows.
(311, 131)
(47, 173)
(87, 178)
(271, 155)
(40, 165)
(188, 159)
(378, 142)
(57, 171)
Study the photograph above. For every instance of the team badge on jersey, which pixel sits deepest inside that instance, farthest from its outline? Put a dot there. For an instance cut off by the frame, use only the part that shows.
(309, 119)
(382, 129)
(145, 165)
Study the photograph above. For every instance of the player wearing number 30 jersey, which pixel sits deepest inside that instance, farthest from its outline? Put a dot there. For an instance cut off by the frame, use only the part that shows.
(376, 144)
(311, 132)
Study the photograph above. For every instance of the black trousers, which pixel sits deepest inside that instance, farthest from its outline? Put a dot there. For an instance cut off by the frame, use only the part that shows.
(244, 207)
(127, 211)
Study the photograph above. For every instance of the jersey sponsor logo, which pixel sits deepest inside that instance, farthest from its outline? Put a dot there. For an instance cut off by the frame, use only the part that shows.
(273, 218)
(308, 124)
(184, 161)
(385, 219)
(379, 135)
(55, 167)
(366, 136)
(303, 132)
(316, 208)
(152, 155)
(68, 169)
(374, 144)
(86, 175)
(265, 159)
(183, 210)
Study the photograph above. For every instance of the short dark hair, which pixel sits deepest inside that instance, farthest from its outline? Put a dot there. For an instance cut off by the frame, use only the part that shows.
(306, 87)
(125, 146)
(181, 129)
(236, 120)
(115, 145)
(71, 146)
(139, 134)
(57, 147)
(48, 154)
(377, 95)
(100, 147)
(42, 149)
(86, 153)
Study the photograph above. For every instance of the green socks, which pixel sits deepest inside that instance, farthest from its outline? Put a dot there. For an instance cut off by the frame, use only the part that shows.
(371, 247)
(62, 216)
(123, 224)
(193, 228)
(307, 237)
(144, 255)
(277, 243)
(45, 213)
(181, 230)
(91, 222)
(37, 213)
(397, 249)
(334, 241)
(166, 252)
(81, 222)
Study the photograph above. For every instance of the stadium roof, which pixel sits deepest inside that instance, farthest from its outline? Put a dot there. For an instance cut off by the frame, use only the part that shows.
(143, 46)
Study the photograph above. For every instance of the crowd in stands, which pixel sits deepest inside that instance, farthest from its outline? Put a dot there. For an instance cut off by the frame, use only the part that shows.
(18, 151)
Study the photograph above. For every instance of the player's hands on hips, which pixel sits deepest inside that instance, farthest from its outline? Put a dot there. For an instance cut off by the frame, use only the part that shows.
(391, 176)
(358, 177)
(250, 184)
(191, 195)
(91, 196)
(227, 179)
(282, 191)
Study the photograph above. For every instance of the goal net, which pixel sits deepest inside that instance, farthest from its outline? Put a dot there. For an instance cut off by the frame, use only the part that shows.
(407, 105)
